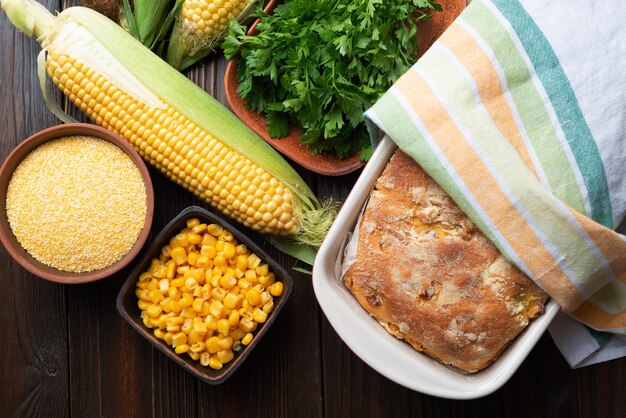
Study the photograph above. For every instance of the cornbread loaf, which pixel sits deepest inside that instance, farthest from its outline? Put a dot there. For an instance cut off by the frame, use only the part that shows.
(431, 278)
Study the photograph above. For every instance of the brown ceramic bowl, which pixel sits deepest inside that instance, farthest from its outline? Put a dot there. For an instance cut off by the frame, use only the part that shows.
(127, 300)
(9, 241)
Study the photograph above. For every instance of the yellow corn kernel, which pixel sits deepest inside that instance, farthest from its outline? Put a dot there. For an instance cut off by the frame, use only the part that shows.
(219, 246)
(227, 281)
(183, 348)
(212, 345)
(265, 281)
(276, 289)
(251, 275)
(204, 359)
(154, 284)
(168, 337)
(206, 309)
(145, 276)
(173, 328)
(214, 363)
(237, 334)
(246, 339)
(187, 326)
(197, 274)
(203, 261)
(159, 333)
(198, 347)
(175, 320)
(208, 239)
(188, 312)
(246, 324)
(220, 261)
(253, 261)
(223, 326)
(226, 236)
(216, 308)
(262, 270)
(233, 319)
(177, 282)
(143, 285)
(191, 283)
(225, 356)
(225, 343)
(241, 249)
(244, 284)
(198, 331)
(211, 322)
(179, 338)
(230, 300)
(197, 292)
(182, 240)
(170, 268)
(253, 296)
(197, 304)
(194, 356)
(214, 230)
(194, 239)
(267, 308)
(154, 311)
(229, 250)
(179, 255)
(186, 300)
(199, 229)
(265, 297)
(242, 262)
(143, 305)
(218, 293)
(192, 222)
(155, 296)
(208, 251)
(259, 316)
(192, 258)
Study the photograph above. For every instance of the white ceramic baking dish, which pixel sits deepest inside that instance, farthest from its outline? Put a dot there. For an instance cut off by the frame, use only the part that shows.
(389, 356)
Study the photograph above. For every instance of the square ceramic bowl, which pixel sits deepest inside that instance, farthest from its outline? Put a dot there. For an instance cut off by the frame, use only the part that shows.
(127, 300)
(386, 354)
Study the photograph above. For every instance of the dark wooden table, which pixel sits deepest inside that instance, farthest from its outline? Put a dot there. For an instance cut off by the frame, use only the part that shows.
(65, 351)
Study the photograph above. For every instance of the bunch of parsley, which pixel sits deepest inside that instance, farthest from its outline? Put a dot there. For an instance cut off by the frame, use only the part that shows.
(321, 63)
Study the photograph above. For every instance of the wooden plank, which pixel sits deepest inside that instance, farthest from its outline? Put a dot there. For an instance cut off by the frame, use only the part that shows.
(33, 329)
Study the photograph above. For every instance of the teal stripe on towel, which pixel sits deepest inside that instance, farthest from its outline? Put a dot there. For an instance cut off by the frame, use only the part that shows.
(564, 102)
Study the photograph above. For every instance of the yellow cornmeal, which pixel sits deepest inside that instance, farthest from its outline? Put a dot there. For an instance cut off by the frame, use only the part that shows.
(77, 203)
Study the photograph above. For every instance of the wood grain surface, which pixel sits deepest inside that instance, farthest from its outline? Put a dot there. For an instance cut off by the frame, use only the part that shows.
(66, 351)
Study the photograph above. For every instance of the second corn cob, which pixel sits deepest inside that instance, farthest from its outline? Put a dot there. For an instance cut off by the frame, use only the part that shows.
(177, 127)
(200, 26)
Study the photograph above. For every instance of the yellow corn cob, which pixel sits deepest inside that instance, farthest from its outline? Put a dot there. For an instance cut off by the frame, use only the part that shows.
(209, 18)
(172, 123)
(180, 149)
(200, 26)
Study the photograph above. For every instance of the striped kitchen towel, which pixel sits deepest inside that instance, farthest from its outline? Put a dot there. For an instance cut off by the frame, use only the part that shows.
(519, 112)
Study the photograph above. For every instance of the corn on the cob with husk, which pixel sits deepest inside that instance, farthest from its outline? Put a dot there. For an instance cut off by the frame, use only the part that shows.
(170, 121)
(150, 20)
(200, 26)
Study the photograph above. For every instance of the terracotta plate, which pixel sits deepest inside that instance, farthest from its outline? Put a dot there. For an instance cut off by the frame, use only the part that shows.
(326, 163)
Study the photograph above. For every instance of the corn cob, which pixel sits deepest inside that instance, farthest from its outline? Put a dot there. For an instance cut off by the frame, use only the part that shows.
(200, 26)
(170, 121)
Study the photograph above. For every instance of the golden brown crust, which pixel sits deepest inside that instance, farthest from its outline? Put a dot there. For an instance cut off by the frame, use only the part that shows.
(431, 278)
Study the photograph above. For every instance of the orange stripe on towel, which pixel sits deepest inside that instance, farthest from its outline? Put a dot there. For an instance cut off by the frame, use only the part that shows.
(470, 54)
